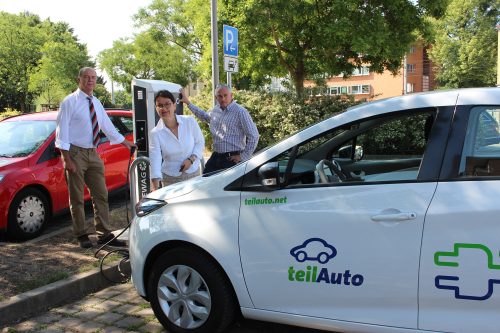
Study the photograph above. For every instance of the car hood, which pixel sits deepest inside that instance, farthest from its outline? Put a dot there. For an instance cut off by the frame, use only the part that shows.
(177, 190)
(8, 163)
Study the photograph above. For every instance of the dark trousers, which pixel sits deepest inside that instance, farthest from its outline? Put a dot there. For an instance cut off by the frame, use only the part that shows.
(219, 161)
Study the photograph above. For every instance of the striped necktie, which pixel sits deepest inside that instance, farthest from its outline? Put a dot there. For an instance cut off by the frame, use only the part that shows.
(95, 126)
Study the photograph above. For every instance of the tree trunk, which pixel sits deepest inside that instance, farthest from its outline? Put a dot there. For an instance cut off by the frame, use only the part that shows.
(298, 77)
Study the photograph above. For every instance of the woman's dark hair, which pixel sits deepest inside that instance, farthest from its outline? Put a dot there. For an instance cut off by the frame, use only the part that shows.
(165, 94)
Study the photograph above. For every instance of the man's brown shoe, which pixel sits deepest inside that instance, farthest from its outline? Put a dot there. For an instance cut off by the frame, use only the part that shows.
(85, 242)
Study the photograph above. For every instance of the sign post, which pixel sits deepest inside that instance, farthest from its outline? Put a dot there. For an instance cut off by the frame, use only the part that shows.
(230, 41)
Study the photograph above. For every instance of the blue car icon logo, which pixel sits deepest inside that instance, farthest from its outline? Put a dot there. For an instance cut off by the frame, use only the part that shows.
(314, 249)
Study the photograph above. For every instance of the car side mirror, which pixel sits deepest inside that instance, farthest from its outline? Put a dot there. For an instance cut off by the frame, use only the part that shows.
(358, 153)
(269, 176)
(346, 152)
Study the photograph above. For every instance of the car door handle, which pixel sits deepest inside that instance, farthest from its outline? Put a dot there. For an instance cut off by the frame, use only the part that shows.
(394, 217)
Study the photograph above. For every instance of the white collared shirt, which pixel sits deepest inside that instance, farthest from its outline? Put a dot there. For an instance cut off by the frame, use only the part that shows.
(74, 126)
(167, 152)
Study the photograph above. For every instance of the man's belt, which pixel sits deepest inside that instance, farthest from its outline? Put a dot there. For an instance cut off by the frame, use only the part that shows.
(228, 154)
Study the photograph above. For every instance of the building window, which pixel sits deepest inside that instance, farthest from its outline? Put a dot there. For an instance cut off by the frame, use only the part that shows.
(360, 89)
(412, 49)
(410, 68)
(334, 90)
(410, 87)
(363, 70)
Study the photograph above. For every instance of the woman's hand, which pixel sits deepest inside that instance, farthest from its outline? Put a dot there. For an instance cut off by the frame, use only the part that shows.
(186, 165)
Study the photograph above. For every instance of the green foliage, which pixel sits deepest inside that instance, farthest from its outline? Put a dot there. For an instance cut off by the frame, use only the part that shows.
(39, 60)
(123, 100)
(466, 43)
(21, 40)
(9, 113)
(310, 38)
(103, 95)
(149, 55)
(278, 115)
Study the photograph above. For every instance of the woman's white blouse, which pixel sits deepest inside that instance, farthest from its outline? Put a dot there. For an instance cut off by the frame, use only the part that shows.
(167, 152)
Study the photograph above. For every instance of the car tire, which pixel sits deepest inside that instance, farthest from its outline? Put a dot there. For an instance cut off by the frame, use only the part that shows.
(189, 293)
(28, 214)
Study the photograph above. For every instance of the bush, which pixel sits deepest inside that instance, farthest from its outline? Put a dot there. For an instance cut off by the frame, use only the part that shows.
(8, 112)
(278, 115)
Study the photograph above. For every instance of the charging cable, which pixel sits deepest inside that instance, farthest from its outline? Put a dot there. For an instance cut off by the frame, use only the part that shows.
(123, 264)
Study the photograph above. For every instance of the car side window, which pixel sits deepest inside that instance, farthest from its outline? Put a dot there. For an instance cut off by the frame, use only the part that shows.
(124, 125)
(390, 150)
(382, 149)
(481, 151)
(128, 123)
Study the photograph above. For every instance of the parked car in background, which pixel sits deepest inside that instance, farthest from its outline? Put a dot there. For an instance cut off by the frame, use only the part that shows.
(384, 218)
(32, 184)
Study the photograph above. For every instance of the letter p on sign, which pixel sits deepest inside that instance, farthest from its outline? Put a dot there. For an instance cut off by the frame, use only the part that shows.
(230, 40)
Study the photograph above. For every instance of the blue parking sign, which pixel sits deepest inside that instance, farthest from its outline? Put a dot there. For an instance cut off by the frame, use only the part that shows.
(230, 40)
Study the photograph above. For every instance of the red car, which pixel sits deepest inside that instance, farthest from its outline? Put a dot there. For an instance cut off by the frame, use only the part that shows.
(32, 184)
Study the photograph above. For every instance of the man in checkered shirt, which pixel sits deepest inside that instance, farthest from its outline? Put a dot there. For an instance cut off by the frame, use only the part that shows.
(234, 133)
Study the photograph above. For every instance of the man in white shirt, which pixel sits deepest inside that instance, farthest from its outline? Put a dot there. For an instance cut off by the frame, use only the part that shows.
(76, 140)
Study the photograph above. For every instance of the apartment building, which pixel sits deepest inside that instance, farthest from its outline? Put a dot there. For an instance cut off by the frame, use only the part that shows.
(416, 75)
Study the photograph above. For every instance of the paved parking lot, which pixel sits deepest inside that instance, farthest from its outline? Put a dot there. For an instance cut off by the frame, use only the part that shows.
(119, 309)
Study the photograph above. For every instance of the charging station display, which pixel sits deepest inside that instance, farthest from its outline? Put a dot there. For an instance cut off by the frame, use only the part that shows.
(145, 119)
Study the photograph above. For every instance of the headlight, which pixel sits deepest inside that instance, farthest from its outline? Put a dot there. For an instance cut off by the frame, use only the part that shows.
(1, 177)
(146, 206)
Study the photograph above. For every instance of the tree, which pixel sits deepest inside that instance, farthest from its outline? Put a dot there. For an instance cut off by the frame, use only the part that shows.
(147, 56)
(465, 45)
(57, 70)
(38, 59)
(185, 24)
(312, 38)
(20, 44)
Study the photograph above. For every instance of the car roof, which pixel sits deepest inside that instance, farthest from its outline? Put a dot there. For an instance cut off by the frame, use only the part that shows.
(435, 98)
(52, 115)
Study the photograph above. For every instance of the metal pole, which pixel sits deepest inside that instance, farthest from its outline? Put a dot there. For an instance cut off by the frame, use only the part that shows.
(136, 193)
(404, 76)
(228, 79)
(215, 52)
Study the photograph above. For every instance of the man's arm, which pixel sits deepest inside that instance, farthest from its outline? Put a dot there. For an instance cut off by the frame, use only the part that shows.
(199, 113)
(67, 161)
(251, 133)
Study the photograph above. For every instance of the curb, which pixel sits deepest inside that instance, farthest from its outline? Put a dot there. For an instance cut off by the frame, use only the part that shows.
(36, 301)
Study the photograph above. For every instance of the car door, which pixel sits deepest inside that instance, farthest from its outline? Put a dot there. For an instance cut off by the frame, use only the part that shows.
(116, 157)
(460, 267)
(345, 250)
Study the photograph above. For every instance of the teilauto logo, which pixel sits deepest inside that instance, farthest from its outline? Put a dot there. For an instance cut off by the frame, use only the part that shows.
(316, 249)
(449, 259)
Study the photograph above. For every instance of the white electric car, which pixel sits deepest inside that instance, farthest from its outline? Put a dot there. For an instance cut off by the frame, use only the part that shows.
(385, 218)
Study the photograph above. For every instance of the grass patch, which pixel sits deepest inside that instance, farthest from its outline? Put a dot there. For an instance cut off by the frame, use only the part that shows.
(111, 259)
(143, 306)
(42, 281)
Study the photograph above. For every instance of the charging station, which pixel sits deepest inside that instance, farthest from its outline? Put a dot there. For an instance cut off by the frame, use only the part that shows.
(145, 119)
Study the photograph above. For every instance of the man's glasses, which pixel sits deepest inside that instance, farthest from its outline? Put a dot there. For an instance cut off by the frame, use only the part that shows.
(163, 106)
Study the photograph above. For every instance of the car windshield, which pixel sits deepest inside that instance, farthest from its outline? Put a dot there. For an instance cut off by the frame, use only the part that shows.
(21, 138)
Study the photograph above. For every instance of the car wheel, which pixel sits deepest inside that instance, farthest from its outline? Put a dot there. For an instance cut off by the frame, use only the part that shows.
(189, 293)
(28, 214)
